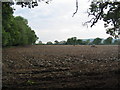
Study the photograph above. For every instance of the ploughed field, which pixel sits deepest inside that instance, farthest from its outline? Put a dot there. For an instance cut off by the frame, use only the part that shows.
(61, 66)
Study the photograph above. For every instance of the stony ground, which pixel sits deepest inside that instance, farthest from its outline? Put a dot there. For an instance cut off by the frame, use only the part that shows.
(61, 66)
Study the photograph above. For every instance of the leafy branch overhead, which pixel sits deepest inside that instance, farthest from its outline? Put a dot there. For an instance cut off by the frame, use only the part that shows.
(32, 3)
(109, 12)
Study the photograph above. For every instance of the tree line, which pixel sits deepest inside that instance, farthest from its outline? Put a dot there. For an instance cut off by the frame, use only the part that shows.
(15, 30)
(75, 41)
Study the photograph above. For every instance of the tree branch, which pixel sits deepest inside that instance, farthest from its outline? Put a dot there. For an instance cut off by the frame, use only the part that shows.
(76, 8)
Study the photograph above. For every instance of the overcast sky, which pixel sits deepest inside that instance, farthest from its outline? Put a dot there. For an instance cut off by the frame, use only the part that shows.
(54, 21)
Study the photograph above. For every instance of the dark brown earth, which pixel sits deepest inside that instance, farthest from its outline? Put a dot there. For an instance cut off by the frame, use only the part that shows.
(61, 66)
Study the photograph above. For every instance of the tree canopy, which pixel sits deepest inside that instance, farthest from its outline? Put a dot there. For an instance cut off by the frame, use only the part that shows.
(97, 41)
(108, 41)
(15, 30)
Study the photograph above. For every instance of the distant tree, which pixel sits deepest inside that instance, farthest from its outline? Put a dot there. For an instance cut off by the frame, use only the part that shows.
(62, 43)
(97, 41)
(79, 42)
(56, 42)
(72, 41)
(69, 41)
(108, 41)
(49, 43)
(40, 43)
(83, 42)
(116, 42)
(75, 41)
(88, 42)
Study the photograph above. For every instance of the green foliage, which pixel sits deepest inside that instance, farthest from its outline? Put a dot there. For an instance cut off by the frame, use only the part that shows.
(97, 41)
(109, 12)
(79, 41)
(56, 42)
(49, 43)
(75, 41)
(5, 38)
(88, 42)
(15, 30)
(32, 3)
(108, 41)
(62, 43)
(72, 41)
(39, 43)
(116, 42)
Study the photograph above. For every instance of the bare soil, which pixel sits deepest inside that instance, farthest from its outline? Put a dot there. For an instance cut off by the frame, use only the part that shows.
(61, 66)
